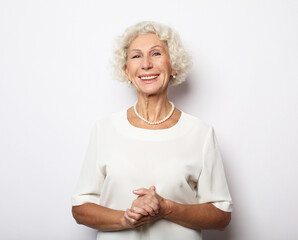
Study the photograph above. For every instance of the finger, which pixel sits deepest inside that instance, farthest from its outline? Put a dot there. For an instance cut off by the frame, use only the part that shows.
(149, 203)
(145, 220)
(141, 191)
(130, 221)
(139, 224)
(149, 209)
(155, 208)
(149, 200)
(144, 191)
(143, 205)
(133, 215)
(127, 217)
(139, 211)
(134, 223)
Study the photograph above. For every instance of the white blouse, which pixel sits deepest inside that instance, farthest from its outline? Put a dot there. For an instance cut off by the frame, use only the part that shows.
(183, 163)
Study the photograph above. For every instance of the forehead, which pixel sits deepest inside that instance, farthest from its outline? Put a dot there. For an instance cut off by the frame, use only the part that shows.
(146, 41)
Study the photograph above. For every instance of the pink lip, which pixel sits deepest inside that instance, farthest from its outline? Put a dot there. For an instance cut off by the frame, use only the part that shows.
(149, 81)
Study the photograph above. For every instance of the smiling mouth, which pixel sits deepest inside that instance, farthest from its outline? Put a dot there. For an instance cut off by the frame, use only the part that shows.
(150, 77)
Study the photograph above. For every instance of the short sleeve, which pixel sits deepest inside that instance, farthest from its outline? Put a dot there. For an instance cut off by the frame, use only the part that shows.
(212, 185)
(91, 178)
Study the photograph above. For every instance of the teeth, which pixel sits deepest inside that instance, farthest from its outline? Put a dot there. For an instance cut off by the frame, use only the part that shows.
(149, 77)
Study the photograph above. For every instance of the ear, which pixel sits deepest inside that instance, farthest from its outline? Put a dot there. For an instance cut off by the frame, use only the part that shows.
(125, 69)
(173, 72)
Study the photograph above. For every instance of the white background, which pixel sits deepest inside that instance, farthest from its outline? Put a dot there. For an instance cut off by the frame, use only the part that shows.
(56, 81)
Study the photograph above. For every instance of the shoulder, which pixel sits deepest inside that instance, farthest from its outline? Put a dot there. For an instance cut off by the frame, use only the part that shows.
(196, 123)
(200, 128)
(109, 121)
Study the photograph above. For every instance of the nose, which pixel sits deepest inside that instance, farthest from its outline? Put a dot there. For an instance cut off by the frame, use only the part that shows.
(146, 63)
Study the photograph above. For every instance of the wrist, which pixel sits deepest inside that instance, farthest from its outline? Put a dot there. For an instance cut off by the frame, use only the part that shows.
(123, 223)
(167, 207)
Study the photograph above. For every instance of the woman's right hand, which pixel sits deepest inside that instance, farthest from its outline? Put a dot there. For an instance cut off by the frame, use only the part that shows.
(144, 209)
(147, 202)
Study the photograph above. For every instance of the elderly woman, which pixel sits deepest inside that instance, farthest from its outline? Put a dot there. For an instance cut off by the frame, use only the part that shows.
(152, 171)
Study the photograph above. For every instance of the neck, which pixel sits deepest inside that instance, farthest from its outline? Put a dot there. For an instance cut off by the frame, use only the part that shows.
(153, 107)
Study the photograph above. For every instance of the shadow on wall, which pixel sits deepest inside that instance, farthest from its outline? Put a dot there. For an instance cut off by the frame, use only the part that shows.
(217, 235)
(179, 92)
(187, 92)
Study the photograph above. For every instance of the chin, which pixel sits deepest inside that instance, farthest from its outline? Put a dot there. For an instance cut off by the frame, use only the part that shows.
(152, 89)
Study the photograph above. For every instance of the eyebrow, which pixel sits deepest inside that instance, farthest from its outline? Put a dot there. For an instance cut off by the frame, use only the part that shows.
(150, 48)
(156, 46)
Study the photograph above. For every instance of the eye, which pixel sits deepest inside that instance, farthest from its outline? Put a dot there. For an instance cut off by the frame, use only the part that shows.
(156, 54)
(136, 56)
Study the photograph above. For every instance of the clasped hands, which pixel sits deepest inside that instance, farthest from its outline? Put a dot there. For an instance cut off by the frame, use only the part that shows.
(146, 208)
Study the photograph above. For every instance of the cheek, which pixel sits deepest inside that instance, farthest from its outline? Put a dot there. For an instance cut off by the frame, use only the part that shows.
(166, 65)
(130, 69)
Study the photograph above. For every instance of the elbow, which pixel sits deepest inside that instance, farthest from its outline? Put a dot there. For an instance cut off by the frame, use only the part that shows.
(76, 215)
(224, 221)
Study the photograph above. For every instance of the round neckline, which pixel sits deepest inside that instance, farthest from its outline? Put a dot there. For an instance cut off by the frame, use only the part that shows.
(126, 129)
(154, 130)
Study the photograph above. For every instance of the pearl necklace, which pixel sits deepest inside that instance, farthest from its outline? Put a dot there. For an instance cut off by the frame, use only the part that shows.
(154, 123)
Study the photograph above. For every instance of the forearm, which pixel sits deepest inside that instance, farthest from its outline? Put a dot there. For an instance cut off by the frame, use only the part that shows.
(196, 216)
(99, 217)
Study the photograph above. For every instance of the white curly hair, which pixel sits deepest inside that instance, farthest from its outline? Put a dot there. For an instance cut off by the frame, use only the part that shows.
(180, 59)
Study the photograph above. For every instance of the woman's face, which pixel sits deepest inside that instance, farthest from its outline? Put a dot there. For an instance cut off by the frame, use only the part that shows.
(148, 64)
